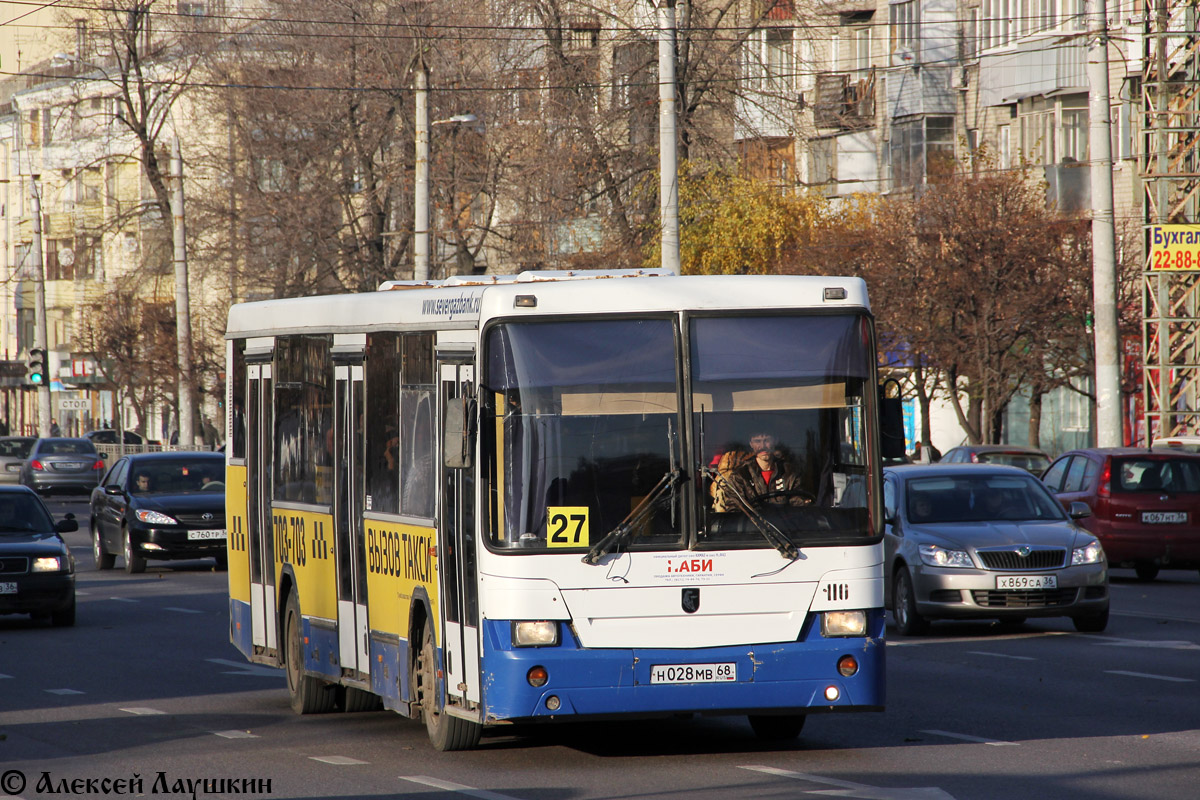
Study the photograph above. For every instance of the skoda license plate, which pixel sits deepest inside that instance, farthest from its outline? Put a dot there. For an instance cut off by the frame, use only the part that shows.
(217, 533)
(1162, 517)
(693, 673)
(8, 588)
(1026, 581)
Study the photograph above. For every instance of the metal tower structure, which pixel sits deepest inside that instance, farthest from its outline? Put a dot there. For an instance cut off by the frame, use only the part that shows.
(1170, 170)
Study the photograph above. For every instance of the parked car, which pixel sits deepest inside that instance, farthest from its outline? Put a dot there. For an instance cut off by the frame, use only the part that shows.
(107, 436)
(1029, 459)
(1145, 504)
(1182, 444)
(37, 571)
(13, 452)
(986, 542)
(160, 506)
(61, 464)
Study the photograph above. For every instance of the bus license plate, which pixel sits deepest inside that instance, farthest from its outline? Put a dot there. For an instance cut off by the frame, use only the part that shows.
(1026, 581)
(8, 588)
(693, 673)
(218, 533)
(1163, 517)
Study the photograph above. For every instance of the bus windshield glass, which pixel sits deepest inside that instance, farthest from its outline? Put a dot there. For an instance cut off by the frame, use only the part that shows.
(779, 407)
(580, 430)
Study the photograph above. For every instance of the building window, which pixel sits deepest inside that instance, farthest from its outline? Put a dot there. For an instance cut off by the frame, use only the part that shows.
(903, 27)
(921, 151)
(862, 51)
(1075, 134)
(1004, 144)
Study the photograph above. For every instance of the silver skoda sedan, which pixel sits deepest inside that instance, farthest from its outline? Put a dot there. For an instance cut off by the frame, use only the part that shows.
(973, 541)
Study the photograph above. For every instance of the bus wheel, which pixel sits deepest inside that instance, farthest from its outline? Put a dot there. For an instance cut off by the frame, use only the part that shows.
(309, 695)
(353, 700)
(777, 728)
(445, 732)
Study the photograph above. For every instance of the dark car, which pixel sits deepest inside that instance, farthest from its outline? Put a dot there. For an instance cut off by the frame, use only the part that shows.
(986, 542)
(107, 436)
(13, 452)
(1029, 459)
(61, 464)
(160, 506)
(37, 572)
(1145, 504)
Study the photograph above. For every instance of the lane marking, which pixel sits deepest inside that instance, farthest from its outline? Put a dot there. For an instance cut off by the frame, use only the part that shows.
(1000, 637)
(1164, 644)
(976, 739)
(850, 789)
(3, 676)
(1002, 655)
(1149, 615)
(458, 788)
(339, 760)
(183, 610)
(63, 691)
(123, 599)
(245, 668)
(235, 734)
(1148, 675)
(141, 711)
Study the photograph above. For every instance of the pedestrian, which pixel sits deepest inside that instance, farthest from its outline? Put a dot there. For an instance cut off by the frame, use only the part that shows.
(54, 429)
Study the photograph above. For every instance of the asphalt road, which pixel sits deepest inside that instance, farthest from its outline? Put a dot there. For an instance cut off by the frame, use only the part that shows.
(147, 685)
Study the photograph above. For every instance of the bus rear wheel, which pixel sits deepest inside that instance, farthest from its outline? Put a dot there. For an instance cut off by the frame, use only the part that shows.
(309, 695)
(445, 732)
(777, 728)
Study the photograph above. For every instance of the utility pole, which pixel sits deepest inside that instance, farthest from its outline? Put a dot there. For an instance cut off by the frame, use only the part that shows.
(40, 338)
(183, 315)
(1104, 252)
(421, 177)
(668, 156)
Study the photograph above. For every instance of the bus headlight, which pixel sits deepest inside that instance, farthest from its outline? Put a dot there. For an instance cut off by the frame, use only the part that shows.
(844, 623)
(543, 633)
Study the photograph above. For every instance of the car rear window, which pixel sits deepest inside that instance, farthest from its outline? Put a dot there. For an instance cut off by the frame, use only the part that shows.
(1156, 475)
(65, 446)
(15, 448)
(1027, 461)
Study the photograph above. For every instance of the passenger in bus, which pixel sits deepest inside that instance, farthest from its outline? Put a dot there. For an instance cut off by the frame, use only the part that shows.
(768, 477)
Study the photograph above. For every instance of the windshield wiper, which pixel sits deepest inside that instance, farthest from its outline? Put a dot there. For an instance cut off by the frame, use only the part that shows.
(774, 536)
(636, 517)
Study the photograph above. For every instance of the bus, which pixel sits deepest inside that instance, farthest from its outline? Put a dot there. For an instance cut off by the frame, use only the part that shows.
(483, 501)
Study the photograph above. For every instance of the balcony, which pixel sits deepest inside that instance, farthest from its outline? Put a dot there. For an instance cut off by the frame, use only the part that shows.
(845, 100)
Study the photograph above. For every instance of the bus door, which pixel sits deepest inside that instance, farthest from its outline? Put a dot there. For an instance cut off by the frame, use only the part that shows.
(347, 514)
(456, 560)
(261, 538)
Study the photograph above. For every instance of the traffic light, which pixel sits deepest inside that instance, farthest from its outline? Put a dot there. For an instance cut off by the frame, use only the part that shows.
(37, 366)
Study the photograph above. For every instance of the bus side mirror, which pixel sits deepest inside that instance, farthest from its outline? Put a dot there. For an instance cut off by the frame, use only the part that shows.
(891, 421)
(458, 444)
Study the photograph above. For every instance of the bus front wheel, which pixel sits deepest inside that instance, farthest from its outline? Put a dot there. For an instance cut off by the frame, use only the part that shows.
(309, 695)
(445, 732)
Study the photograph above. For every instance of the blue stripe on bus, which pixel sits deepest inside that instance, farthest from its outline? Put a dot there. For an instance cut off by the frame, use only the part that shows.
(240, 632)
(321, 653)
(386, 681)
(776, 676)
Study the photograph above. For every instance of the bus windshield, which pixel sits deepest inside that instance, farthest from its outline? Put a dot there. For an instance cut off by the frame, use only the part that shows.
(779, 405)
(580, 423)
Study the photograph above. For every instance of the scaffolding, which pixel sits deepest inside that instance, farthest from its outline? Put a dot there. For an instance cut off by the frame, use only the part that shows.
(1170, 171)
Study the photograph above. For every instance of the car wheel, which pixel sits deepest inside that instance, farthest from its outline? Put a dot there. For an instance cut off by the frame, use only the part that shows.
(103, 560)
(133, 563)
(909, 621)
(64, 618)
(445, 732)
(777, 728)
(1146, 572)
(1091, 623)
(309, 695)
(222, 560)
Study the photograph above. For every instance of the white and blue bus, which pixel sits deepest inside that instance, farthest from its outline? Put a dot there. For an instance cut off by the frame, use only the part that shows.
(485, 501)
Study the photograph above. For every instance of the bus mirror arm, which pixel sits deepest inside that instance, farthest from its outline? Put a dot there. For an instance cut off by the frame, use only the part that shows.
(628, 525)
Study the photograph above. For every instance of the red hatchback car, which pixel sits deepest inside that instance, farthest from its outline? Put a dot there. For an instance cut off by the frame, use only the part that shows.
(1145, 504)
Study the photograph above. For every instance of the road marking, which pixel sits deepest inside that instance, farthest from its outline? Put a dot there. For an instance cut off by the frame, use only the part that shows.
(63, 691)
(483, 794)
(183, 610)
(243, 668)
(3, 676)
(977, 739)
(1149, 615)
(1000, 637)
(859, 790)
(235, 734)
(1002, 655)
(141, 711)
(1165, 644)
(123, 599)
(339, 760)
(1148, 675)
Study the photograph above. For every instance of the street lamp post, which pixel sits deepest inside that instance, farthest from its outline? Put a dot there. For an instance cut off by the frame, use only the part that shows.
(40, 337)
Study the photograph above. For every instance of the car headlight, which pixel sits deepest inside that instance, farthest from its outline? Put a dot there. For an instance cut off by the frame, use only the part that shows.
(543, 633)
(47, 564)
(1093, 553)
(935, 556)
(844, 623)
(155, 518)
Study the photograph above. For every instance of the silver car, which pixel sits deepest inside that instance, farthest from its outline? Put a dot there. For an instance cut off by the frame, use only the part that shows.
(13, 452)
(62, 464)
(974, 541)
